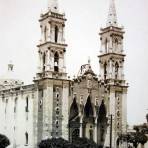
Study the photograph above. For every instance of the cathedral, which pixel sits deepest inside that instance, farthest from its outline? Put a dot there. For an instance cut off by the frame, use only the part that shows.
(91, 105)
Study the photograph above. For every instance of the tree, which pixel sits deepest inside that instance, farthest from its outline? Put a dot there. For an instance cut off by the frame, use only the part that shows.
(61, 143)
(84, 143)
(4, 141)
(55, 143)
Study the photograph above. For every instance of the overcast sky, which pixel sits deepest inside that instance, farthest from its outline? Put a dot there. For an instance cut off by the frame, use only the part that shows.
(20, 33)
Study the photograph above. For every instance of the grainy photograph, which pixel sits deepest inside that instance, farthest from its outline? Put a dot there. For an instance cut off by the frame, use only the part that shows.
(73, 74)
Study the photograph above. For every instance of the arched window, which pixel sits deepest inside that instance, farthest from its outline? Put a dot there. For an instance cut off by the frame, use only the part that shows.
(56, 33)
(56, 62)
(116, 70)
(88, 109)
(105, 71)
(116, 44)
(106, 45)
(45, 33)
(44, 61)
(74, 110)
(26, 137)
(102, 112)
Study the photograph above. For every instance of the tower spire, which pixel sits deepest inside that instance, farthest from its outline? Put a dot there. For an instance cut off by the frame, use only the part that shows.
(53, 5)
(112, 16)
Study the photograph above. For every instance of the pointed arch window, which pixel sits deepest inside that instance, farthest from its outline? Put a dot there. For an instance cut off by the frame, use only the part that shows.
(74, 111)
(88, 110)
(56, 33)
(102, 112)
(116, 70)
(56, 62)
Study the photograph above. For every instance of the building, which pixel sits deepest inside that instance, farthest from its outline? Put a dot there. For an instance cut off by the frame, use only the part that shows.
(54, 106)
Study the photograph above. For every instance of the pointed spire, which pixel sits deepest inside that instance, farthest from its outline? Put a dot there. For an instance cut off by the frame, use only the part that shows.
(112, 16)
(53, 5)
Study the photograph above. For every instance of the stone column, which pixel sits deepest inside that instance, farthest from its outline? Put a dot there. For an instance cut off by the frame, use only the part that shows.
(96, 132)
(81, 127)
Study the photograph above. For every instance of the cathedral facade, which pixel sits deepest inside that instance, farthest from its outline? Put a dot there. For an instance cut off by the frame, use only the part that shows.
(88, 106)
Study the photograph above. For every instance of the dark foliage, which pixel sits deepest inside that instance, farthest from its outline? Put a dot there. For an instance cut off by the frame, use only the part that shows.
(4, 141)
(61, 143)
(136, 138)
(85, 143)
(55, 143)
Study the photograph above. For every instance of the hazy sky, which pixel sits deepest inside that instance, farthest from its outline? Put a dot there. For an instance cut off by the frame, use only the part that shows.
(20, 33)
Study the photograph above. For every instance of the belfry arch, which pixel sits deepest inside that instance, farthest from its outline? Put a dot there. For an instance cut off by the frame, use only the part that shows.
(56, 62)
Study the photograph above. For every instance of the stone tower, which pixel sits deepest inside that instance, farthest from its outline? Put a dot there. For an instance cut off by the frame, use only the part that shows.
(111, 62)
(51, 105)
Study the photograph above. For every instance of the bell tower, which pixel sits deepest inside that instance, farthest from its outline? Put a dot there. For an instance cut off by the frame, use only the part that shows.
(52, 85)
(52, 47)
(111, 61)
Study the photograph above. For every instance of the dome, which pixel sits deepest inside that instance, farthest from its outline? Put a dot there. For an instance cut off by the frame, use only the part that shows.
(9, 79)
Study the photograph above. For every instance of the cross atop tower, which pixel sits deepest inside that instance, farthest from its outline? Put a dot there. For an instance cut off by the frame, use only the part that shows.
(112, 16)
(53, 5)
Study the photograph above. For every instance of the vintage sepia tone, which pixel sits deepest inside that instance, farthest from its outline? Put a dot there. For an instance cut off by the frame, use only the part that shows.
(91, 105)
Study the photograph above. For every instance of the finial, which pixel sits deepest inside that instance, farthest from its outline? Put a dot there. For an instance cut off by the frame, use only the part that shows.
(112, 16)
(53, 5)
(10, 66)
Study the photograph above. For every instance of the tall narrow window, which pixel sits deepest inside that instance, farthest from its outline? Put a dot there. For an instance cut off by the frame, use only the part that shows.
(105, 71)
(116, 70)
(27, 104)
(106, 46)
(44, 61)
(45, 34)
(56, 62)
(56, 33)
(116, 44)
(26, 137)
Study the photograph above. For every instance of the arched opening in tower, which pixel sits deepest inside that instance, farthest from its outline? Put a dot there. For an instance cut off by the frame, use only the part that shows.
(116, 44)
(56, 33)
(116, 70)
(56, 62)
(106, 45)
